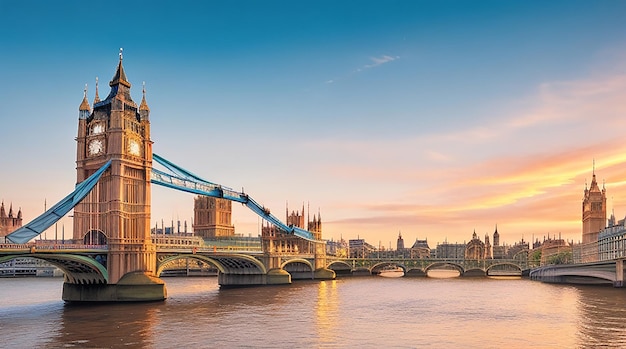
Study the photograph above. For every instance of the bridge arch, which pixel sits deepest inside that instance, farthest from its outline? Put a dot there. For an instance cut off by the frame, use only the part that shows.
(299, 269)
(375, 269)
(165, 261)
(508, 264)
(435, 265)
(298, 261)
(78, 269)
(225, 264)
(343, 263)
(340, 267)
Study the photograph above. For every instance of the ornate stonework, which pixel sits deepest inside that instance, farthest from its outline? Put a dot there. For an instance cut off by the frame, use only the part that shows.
(212, 217)
(117, 210)
(9, 222)
(593, 211)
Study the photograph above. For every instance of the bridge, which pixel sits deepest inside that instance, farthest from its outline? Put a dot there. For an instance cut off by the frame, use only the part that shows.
(113, 256)
(86, 264)
(413, 267)
(594, 263)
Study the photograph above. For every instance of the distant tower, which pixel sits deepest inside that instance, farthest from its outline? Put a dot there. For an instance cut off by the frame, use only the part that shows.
(296, 218)
(496, 237)
(9, 223)
(315, 226)
(400, 245)
(212, 217)
(117, 211)
(487, 247)
(593, 210)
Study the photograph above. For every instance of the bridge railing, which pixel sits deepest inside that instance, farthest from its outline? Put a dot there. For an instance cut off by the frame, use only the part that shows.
(425, 262)
(39, 247)
(196, 243)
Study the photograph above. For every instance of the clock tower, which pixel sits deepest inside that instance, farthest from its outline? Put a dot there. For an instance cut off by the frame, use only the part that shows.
(117, 211)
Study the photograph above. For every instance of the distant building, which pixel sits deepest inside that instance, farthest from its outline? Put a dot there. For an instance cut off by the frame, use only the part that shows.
(612, 240)
(212, 217)
(337, 248)
(9, 222)
(276, 241)
(400, 243)
(499, 251)
(420, 249)
(550, 249)
(475, 248)
(487, 247)
(450, 251)
(519, 251)
(360, 249)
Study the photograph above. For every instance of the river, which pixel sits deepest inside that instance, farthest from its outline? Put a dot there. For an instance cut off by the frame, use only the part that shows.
(363, 312)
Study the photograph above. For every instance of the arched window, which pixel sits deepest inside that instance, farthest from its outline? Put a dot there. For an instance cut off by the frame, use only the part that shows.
(95, 237)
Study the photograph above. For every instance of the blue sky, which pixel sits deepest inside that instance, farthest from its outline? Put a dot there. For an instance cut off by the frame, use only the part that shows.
(433, 118)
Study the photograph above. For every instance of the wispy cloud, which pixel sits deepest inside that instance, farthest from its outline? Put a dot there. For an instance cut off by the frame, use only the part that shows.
(375, 62)
(524, 169)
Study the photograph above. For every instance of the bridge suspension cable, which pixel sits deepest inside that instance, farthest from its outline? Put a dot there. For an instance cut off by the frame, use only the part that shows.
(56, 212)
(183, 180)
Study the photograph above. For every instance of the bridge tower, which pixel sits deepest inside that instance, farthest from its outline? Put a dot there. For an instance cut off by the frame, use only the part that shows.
(117, 211)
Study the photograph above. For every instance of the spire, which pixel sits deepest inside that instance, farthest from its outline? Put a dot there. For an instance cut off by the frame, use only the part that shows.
(2, 213)
(19, 213)
(11, 210)
(120, 76)
(84, 106)
(144, 104)
(96, 99)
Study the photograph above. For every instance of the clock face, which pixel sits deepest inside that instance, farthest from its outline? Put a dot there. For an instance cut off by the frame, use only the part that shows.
(133, 147)
(96, 147)
(97, 129)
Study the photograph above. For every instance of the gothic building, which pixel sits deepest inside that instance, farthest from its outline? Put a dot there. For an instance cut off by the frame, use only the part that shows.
(475, 249)
(487, 247)
(499, 251)
(9, 222)
(117, 211)
(296, 218)
(420, 249)
(275, 241)
(212, 217)
(593, 211)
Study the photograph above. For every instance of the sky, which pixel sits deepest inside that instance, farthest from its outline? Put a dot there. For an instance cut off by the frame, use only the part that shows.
(433, 119)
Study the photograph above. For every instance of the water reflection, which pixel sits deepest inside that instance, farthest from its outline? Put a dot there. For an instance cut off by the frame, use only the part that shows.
(603, 313)
(442, 273)
(345, 313)
(106, 325)
(326, 313)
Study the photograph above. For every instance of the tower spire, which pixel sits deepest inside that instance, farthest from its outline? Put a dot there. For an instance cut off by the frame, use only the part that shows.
(144, 104)
(96, 99)
(120, 76)
(84, 109)
(84, 106)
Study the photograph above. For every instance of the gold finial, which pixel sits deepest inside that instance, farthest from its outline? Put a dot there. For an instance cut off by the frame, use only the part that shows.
(121, 56)
(85, 92)
(144, 89)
